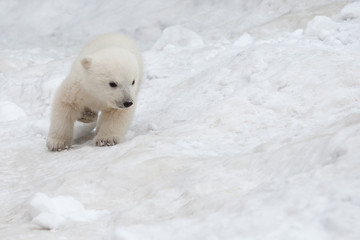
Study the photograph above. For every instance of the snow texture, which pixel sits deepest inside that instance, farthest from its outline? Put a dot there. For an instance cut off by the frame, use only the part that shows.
(247, 127)
(10, 112)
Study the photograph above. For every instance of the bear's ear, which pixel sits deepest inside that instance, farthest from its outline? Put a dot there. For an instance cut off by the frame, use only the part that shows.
(86, 62)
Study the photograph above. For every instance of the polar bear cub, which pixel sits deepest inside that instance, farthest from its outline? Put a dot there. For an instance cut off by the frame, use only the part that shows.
(105, 78)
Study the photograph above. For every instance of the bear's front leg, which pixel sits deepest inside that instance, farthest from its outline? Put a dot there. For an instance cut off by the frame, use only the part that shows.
(61, 127)
(113, 125)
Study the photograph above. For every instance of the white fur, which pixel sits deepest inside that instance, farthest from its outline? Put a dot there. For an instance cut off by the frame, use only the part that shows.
(86, 91)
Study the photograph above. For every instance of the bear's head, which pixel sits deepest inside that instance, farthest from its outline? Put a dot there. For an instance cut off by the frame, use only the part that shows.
(112, 77)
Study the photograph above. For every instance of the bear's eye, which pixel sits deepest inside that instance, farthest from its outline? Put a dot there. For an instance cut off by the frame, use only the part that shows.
(112, 84)
(133, 82)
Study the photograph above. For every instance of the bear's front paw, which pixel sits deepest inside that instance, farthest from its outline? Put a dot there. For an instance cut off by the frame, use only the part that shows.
(107, 141)
(57, 144)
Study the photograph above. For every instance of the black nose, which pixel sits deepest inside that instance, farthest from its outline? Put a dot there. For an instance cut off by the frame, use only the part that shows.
(128, 104)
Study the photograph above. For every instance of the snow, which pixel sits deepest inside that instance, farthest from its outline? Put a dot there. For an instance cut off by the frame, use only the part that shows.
(245, 40)
(322, 27)
(178, 37)
(247, 127)
(54, 213)
(10, 112)
(350, 11)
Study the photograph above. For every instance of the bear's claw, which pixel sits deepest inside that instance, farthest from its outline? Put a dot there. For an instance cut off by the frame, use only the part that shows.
(57, 145)
(109, 141)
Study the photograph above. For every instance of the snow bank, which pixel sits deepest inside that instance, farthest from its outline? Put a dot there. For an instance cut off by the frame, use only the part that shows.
(330, 31)
(247, 123)
(60, 211)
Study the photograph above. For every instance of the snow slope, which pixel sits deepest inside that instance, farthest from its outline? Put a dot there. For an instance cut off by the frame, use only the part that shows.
(248, 123)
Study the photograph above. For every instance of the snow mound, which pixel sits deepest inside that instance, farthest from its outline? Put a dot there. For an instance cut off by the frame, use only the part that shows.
(9, 111)
(178, 36)
(244, 41)
(350, 11)
(60, 211)
(322, 27)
